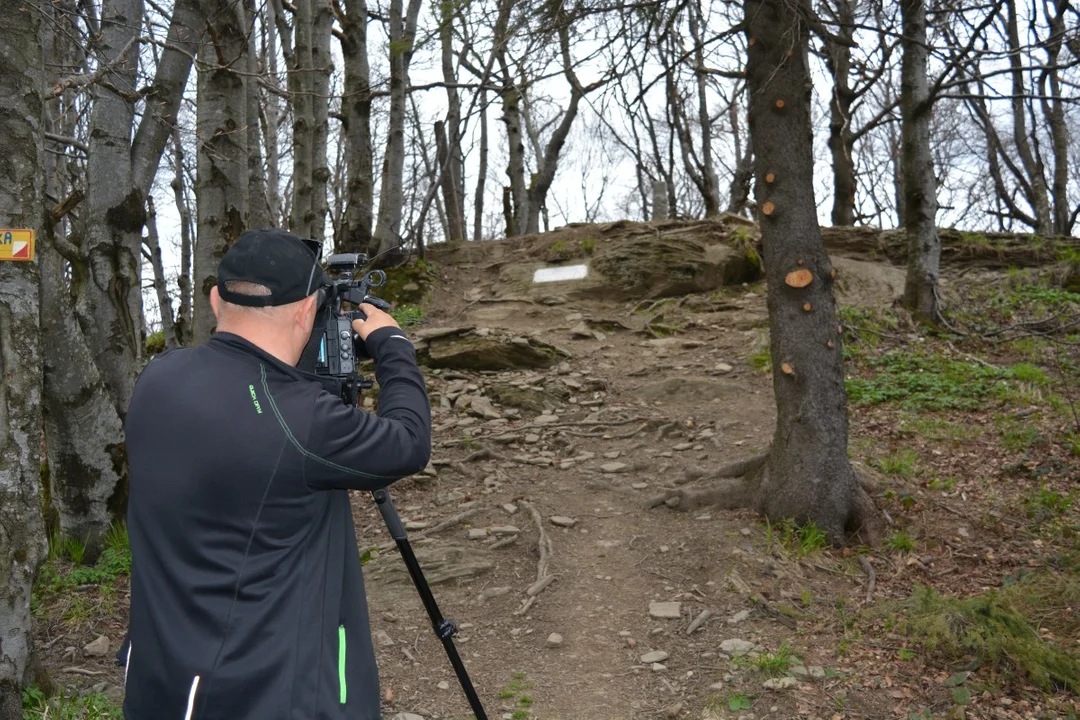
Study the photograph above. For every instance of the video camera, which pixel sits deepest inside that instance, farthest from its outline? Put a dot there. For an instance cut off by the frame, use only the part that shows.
(335, 350)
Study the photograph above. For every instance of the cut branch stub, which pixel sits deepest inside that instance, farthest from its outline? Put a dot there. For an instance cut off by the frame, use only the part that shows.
(807, 307)
(788, 370)
(799, 278)
(752, 42)
(768, 208)
(770, 178)
(779, 104)
(832, 274)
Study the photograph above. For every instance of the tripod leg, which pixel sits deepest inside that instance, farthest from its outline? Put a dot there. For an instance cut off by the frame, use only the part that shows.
(444, 629)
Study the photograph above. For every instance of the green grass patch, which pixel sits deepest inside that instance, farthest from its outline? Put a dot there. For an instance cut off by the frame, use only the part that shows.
(92, 706)
(920, 380)
(1026, 628)
(761, 361)
(939, 429)
(1047, 504)
(902, 463)
(407, 315)
(900, 542)
(796, 539)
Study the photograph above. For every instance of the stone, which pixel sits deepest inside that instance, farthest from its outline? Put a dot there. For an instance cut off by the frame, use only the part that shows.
(475, 350)
(554, 640)
(780, 683)
(665, 610)
(482, 407)
(654, 657)
(722, 368)
(477, 533)
(614, 467)
(532, 438)
(546, 419)
(510, 508)
(736, 647)
(407, 716)
(746, 532)
(673, 711)
(504, 530)
(443, 685)
(449, 498)
(659, 667)
(738, 617)
(682, 446)
(562, 521)
(416, 525)
(384, 639)
(98, 647)
(640, 485)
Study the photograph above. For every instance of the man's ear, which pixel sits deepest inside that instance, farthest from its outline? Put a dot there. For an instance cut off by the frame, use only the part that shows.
(215, 302)
(306, 317)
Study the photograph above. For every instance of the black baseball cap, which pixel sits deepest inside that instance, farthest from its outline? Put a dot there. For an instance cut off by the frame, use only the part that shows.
(277, 259)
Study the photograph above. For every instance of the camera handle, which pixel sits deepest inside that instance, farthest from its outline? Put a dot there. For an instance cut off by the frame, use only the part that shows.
(444, 629)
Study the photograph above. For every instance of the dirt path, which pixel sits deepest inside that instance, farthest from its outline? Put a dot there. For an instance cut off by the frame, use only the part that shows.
(697, 404)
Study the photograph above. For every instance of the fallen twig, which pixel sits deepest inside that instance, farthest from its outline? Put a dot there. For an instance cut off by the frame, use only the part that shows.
(699, 621)
(83, 671)
(869, 570)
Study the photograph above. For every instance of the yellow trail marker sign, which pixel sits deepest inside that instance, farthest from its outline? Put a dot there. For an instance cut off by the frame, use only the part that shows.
(16, 244)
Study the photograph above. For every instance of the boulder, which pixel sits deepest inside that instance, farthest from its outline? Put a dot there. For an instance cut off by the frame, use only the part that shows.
(866, 284)
(469, 349)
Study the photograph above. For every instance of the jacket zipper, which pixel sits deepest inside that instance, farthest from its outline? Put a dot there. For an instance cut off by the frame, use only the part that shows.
(341, 662)
(191, 698)
(127, 664)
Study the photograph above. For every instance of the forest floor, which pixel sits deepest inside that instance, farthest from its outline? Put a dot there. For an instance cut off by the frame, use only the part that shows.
(973, 434)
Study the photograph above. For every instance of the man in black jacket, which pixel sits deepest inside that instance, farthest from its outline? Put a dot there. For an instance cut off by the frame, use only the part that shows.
(247, 598)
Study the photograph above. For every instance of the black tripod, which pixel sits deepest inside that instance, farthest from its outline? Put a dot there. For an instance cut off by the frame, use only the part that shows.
(444, 629)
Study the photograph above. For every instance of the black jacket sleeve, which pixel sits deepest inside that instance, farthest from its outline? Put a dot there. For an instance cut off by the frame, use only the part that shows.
(350, 448)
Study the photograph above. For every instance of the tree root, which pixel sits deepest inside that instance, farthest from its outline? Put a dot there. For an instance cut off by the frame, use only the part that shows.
(543, 575)
(872, 578)
(746, 484)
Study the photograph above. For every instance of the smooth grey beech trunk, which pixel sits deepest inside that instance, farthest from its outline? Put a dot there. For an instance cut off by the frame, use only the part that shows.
(808, 476)
(222, 175)
(22, 532)
(919, 181)
(89, 376)
(309, 83)
(108, 303)
(356, 109)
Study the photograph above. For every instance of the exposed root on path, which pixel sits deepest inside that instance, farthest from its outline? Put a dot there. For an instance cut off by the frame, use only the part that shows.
(543, 574)
(845, 512)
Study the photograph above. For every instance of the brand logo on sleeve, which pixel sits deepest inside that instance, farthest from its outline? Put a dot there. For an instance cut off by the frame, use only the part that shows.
(255, 399)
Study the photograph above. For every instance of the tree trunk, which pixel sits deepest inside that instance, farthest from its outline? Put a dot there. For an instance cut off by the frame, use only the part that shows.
(1033, 166)
(744, 166)
(841, 137)
(356, 107)
(222, 176)
(84, 431)
(808, 476)
(301, 89)
(517, 221)
(321, 66)
(109, 302)
(451, 159)
(710, 185)
(258, 201)
(920, 183)
(22, 532)
(659, 201)
(161, 287)
(391, 196)
(481, 173)
(182, 325)
(1054, 109)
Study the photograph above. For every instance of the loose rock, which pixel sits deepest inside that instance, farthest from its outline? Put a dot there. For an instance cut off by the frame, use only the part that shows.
(736, 647)
(667, 611)
(614, 467)
(781, 683)
(562, 521)
(554, 640)
(654, 657)
(99, 646)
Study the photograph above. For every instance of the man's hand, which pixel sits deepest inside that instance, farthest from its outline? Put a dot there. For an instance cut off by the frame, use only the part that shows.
(376, 319)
